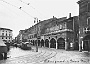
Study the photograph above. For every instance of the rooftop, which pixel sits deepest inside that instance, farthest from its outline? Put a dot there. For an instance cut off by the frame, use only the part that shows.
(5, 29)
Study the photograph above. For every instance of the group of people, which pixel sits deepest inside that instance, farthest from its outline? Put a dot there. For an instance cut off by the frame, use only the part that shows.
(3, 56)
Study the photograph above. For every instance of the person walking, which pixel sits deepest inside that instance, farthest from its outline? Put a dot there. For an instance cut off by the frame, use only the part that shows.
(1, 56)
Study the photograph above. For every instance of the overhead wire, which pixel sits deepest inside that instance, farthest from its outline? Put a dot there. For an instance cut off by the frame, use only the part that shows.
(18, 8)
(31, 6)
(5, 7)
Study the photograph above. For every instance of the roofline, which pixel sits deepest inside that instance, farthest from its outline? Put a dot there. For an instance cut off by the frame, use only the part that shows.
(5, 29)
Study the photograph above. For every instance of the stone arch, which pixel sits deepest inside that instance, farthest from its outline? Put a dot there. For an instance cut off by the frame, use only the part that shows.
(42, 42)
(52, 43)
(86, 43)
(46, 43)
(61, 43)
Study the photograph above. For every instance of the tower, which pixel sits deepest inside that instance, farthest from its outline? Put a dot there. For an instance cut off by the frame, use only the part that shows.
(84, 25)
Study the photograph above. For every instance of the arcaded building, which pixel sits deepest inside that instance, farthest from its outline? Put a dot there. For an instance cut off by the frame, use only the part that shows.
(61, 33)
(58, 33)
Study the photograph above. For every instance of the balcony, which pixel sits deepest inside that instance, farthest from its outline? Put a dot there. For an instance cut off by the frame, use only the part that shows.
(59, 31)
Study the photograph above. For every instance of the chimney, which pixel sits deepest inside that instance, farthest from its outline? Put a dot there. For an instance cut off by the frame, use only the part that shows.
(69, 15)
(53, 17)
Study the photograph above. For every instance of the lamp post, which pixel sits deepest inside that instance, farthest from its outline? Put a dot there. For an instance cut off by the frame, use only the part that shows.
(36, 20)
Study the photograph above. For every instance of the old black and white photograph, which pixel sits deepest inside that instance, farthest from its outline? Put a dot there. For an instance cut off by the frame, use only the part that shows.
(44, 31)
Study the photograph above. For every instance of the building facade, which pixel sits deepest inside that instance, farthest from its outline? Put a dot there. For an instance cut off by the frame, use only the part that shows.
(62, 34)
(6, 34)
(84, 25)
(58, 33)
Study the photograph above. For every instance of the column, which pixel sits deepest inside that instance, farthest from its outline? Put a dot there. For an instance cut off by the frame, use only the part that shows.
(37, 42)
(56, 44)
(66, 45)
(49, 43)
(88, 46)
(36, 46)
(80, 45)
(44, 43)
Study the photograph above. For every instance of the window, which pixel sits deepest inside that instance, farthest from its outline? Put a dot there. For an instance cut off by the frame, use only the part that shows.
(3, 30)
(6, 34)
(2, 34)
(2, 37)
(9, 34)
(88, 21)
(60, 27)
(9, 37)
(6, 37)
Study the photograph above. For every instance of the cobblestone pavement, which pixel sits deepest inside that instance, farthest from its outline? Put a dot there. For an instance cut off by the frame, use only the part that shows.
(46, 56)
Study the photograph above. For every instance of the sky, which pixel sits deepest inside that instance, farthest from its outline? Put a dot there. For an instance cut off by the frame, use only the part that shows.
(19, 14)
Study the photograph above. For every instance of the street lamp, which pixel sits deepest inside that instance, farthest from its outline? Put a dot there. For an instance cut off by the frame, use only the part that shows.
(36, 20)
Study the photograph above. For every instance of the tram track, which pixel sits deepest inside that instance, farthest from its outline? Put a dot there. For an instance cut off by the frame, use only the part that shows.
(43, 58)
(20, 57)
(26, 58)
(32, 58)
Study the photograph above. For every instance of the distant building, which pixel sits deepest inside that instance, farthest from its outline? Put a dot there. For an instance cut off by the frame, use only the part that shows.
(6, 34)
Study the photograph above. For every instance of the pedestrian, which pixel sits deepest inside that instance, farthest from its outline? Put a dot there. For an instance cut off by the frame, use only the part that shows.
(5, 55)
(16, 45)
(1, 56)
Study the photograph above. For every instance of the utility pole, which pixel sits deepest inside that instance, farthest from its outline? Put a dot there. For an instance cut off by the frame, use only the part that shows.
(36, 20)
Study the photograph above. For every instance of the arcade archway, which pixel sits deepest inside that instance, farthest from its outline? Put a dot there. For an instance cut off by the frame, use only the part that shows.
(61, 43)
(53, 43)
(42, 42)
(46, 43)
(86, 43)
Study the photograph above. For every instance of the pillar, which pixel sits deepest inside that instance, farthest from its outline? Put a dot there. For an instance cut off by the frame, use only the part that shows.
(49, 43)
(44, 43)
(56, 44)
(80, 45)
(88, 46)
(37, 46)
(66, 44)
